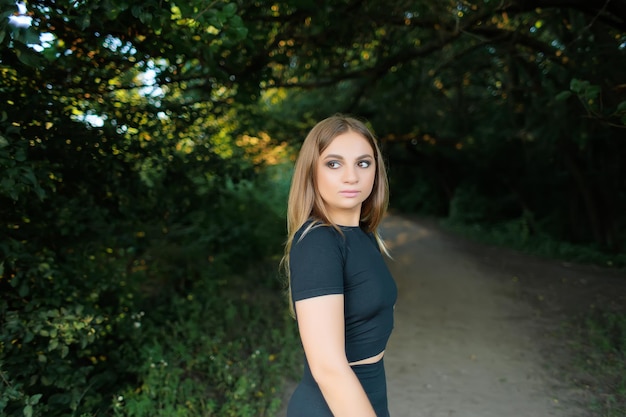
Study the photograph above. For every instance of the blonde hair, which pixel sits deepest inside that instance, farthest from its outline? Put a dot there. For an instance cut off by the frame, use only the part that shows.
(305, 201)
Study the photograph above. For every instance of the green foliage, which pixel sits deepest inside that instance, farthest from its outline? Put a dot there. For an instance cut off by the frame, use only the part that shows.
(590, 98)
(469, 206)
(19, 177)
(607, 332)
(418, 196)
(603, 357)
(524, 102)
(524, 234)
(226, 354)
(56, 347)
(118, 203)
(118, 307)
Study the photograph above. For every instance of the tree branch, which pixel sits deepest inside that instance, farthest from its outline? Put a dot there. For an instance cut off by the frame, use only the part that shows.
(612, 13)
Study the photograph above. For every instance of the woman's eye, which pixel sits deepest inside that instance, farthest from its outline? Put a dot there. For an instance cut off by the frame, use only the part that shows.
(364, 164)
(332, 164)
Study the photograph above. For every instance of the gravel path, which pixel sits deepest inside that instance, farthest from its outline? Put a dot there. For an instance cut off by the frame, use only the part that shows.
(464, 344)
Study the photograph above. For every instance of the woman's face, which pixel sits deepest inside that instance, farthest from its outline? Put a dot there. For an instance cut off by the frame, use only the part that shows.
(345, 176)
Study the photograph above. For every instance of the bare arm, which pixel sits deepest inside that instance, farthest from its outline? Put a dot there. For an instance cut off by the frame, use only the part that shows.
(321, 325)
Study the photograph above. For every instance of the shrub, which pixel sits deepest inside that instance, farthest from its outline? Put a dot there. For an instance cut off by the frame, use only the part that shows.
(125, 311)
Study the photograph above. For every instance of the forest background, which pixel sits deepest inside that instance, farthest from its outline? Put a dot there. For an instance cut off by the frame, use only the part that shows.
(146, 152)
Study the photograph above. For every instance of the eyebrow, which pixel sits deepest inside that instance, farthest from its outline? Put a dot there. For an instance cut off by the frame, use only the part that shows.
(333, 156)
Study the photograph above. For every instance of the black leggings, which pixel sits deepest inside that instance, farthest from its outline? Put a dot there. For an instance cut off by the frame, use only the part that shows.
(307, 399)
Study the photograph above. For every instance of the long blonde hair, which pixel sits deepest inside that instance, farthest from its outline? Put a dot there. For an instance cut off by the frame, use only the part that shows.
(305, 201)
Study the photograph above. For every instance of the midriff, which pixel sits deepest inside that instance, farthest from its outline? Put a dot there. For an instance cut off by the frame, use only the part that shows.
(372, 359)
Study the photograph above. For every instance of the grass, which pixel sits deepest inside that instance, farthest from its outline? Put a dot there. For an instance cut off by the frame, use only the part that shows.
(602, 356)
(516, 234)
(225, 350)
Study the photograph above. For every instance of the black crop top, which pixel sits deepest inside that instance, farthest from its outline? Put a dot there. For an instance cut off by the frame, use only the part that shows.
(325, 262)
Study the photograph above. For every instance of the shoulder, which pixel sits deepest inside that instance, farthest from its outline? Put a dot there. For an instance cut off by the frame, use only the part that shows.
(316, 240)
(312, 232)
(374, 240)
(316, 262)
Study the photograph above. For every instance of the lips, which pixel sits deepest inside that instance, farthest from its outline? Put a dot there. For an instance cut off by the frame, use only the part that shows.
(349, 193)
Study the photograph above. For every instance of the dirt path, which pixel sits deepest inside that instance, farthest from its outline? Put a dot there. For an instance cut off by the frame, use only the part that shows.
(476, 330)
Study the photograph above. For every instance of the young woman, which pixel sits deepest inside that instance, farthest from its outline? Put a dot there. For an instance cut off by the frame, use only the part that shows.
(340, 289)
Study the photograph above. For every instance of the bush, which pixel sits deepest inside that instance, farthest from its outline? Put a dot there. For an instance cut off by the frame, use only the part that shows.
(146, 306)
(469, 206)
(223, 351)
(59, 325)
(522, 234)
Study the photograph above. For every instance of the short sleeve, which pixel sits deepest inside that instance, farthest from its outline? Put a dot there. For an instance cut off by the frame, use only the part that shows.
(316, 263)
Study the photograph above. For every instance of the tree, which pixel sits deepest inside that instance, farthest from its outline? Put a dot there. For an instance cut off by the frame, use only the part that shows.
(122, 183)
(508, 100)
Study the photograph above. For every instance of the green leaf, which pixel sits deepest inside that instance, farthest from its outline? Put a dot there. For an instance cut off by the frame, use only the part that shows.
(51, 54)
(23, 291)
(230, 9)
(4, 15)
(592, 91)
(585, 89)
(53, 344)
(26, 55)
(563, 95)
(145, 17)
(234, 35)
(101, 379)
(621, 106)
(41, 194)
(12, 130)
(136, 10)
(28, 411)
(34, 399)
(60, 399)
(28, 36)
(30, 176)
(20, 155)
(218, 20)
(577, 86)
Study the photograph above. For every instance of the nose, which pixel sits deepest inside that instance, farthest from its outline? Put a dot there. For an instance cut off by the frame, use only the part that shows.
(350, 175)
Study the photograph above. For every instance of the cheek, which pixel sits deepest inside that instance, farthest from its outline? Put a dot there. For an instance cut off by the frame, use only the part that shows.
(322, 181)
(372, 178)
